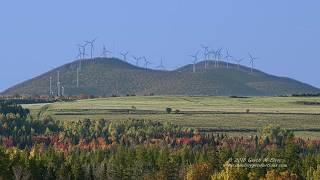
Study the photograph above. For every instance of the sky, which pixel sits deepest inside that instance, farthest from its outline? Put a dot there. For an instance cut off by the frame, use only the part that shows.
(37, 35)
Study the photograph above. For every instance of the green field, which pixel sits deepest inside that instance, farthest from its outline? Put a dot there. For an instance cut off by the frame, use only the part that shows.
(215, 113)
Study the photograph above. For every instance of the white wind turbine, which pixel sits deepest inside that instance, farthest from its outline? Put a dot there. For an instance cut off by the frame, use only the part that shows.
(195, 59)
(252, 59)
(228, 56)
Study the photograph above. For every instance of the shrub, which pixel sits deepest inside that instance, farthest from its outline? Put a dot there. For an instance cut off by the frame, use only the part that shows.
(168, 110)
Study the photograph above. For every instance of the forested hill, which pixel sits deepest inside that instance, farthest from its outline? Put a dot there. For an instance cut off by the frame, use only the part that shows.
(111, 76)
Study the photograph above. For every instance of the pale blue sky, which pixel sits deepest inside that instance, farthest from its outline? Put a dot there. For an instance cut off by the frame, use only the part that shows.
(36, 35)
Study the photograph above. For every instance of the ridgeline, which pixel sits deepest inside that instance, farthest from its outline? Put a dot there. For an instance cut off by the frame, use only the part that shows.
(111, 76)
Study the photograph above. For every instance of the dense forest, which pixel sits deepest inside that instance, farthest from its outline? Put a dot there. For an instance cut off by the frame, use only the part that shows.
(141, 149)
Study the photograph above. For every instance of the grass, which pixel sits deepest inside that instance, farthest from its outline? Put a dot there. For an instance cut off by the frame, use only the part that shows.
(199, 112)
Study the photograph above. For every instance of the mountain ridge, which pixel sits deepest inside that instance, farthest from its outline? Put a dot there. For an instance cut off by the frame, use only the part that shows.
(112, 76)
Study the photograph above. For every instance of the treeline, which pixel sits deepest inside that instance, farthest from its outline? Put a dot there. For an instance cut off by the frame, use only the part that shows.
(13, 108)
(36, 99)
(306, 95)
(141, 149)
(26, 101)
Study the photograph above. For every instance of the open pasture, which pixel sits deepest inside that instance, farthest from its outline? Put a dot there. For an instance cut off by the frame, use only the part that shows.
(215, 113)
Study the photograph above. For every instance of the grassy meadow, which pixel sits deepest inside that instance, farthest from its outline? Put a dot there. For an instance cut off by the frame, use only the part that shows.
(216, 114)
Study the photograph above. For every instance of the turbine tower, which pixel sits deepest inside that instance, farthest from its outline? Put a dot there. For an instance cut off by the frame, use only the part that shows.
(228, 56)
(218, 55)
(195, 59)
(62, 90)
(91, 43)
(238, 61)
(161, 66)
(82, 50)
(213, 52)
(252, 59)
(105, 51)
(58, 83)
(77, 77)
(124, 55)
(146, 62)
(137, 59)
(50, 86)
(206, 55)
(79, 56)
(82, 53)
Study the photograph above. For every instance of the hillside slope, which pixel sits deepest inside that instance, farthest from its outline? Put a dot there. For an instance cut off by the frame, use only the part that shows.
(110, 76)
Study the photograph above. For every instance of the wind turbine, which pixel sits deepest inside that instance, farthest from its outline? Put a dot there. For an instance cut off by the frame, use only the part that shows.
(79, 55)
(228, 56)
(58, 82)
(213, 52)
(62, 90)
(161, 66)
(124, 55)
(146, 62)
(82, 50)
(91, 43)
(252, 59)
(105, 51)
(50, 87)
(206, 55)
(77, 77)
(195, 59)
(82, 53)
(218, 55)
(238, 61)
(137, 59)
